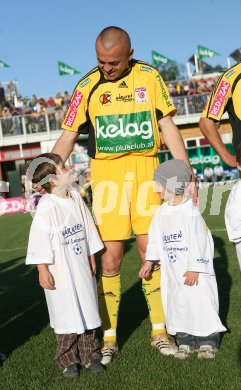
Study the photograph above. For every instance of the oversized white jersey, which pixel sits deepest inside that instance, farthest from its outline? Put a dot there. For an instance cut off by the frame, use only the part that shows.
(63, 235)
(179, 239)
(233, 213)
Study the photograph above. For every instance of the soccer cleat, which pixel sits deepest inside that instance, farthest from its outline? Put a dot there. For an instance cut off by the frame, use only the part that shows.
(71, 371)
(108, 351)
(183, 352)
(164, 343)
(206, 352)
(95, 366)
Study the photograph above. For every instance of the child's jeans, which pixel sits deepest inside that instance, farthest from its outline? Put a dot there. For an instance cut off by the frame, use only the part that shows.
(194, 342)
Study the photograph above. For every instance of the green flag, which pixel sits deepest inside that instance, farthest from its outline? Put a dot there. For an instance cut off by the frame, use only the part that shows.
(4, 65)
(204, 52)
(158, 58)
(66, 69)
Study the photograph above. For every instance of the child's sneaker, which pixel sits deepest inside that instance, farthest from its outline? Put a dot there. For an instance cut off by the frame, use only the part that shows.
(109, 349)
(183, 352)
(164, 343)
(95, 366)
(71, 371)
(206, 352)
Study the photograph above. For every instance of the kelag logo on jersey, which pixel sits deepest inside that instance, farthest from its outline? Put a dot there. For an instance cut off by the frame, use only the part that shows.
(124, 133)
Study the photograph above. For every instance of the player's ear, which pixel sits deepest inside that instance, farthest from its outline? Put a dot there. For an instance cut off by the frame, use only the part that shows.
(238, 166)
(131, 54)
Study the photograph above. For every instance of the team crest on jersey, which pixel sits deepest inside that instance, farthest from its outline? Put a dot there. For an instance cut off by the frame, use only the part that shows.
(141, 95)
(105, 99)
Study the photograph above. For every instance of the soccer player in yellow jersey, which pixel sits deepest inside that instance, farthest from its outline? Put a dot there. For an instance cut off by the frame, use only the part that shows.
(121, 104)
(226, 97)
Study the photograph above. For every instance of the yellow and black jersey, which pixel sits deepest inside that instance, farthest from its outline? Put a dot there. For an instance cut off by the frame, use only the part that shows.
(120, 116)
(226, 97)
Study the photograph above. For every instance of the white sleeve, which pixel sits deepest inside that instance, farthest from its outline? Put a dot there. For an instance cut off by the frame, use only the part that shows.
(153, 246)
(200, 244)
(233, 216)
(39, 245)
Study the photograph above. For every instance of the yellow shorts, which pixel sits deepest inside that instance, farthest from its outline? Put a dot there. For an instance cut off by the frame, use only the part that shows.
(124, 197)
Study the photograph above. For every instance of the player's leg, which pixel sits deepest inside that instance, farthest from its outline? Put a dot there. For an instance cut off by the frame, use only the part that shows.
(112, 214)
(151, 287)
(109, 296)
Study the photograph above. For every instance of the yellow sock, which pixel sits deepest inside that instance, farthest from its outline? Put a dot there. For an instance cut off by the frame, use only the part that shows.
(152, 291)
(109, 299)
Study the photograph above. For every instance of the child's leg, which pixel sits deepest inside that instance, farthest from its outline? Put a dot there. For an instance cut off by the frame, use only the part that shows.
(207, 346)
(66, 351)
(185, 339)
(89, 347)
(212, 340)
(186, 345)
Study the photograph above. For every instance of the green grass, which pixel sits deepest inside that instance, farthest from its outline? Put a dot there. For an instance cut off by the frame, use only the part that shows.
(29, 342)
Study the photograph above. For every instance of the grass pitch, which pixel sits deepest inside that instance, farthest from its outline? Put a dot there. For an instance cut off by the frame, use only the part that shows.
(29, 342)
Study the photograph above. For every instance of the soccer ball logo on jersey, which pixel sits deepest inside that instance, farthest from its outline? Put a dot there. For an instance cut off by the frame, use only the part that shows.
(105, 98)
(141, 95)
(77, 249)
(172, 257)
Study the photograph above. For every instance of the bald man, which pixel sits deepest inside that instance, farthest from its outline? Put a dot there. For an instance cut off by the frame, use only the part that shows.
(121, 104)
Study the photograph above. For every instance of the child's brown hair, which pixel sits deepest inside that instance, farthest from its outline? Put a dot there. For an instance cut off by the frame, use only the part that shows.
(46, 168)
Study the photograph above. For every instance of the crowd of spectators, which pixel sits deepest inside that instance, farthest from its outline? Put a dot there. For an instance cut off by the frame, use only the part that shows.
(191, 87)
(36, 109)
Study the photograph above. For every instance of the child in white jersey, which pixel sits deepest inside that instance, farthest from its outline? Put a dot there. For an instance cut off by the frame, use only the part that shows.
(179, 239)
(233, 211)
(62, 243)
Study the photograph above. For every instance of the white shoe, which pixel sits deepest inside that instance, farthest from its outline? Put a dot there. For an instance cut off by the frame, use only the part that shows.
(110, 348)
(164, 343)
(206, 352)
(183, 352)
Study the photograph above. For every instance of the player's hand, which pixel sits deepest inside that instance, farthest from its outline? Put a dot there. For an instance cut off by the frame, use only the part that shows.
(191, 278)
(46, 280)
(145, 269)
(192, 190)
(92, 265)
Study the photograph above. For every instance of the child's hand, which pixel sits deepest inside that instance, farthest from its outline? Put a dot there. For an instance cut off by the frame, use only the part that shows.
(191, 278)
(145, 269)
(92, 265)
(46, 279)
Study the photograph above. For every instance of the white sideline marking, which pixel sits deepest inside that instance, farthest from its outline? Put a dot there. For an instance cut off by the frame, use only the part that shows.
(12, 249)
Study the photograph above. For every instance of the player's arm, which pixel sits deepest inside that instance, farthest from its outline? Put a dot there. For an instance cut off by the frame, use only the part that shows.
(210, 132)
(173, 140)
(92, 264)
(65, 144)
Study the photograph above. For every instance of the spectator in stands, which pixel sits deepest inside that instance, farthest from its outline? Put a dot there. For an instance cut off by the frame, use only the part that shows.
(208, 174)
(7, 122)
(59, 100)
(2, 95)
(10, 92)
(218, 173)
(66, 99)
